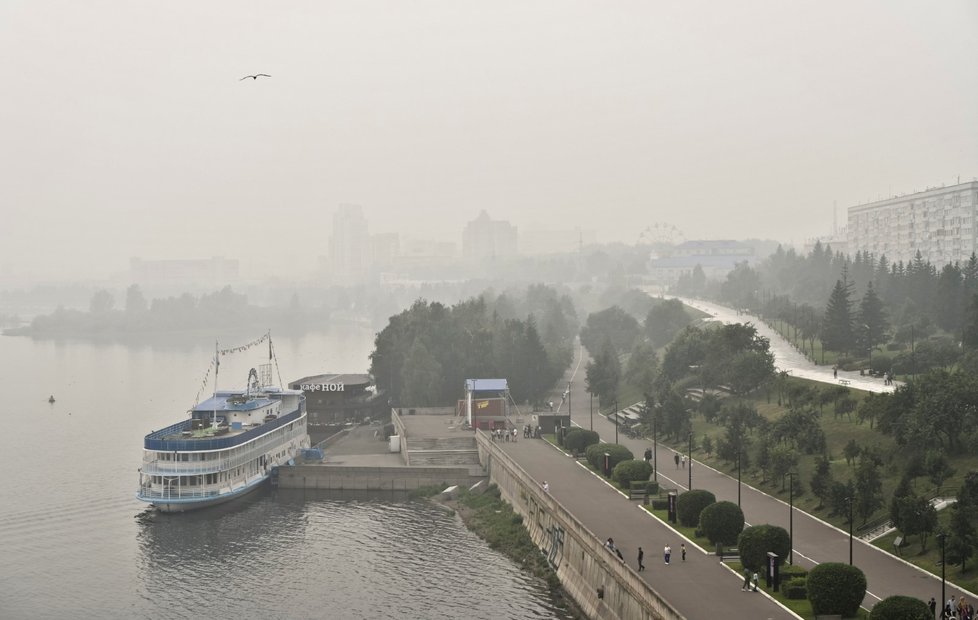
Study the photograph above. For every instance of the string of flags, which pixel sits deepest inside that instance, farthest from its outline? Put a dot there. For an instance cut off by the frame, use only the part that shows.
(216, 362)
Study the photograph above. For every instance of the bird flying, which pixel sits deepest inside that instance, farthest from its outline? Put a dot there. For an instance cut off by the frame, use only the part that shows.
(255, 76)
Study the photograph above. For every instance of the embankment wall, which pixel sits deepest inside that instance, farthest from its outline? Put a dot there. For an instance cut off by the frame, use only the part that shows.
(582, 563)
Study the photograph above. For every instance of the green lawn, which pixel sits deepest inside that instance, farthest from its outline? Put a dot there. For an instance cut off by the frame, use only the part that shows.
(929, 558)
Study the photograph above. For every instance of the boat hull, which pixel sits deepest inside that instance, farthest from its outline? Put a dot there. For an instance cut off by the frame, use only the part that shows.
(197, 503)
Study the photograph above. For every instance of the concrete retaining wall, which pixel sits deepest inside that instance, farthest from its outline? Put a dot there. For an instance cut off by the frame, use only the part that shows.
(401, 432)
(579, 557)
(338, 477)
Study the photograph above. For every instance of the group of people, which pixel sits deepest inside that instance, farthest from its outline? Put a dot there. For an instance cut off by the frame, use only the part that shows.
(680, 459)
(504, 434)
(530, 432)
(666, 553)
(749, 580)
(959, 609)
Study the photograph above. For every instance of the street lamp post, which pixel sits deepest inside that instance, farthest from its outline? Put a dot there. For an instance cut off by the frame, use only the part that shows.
(849, 501)
(569, 407)
(791, 518)
(655, 449)
(739, 451)
(592, 412)
(616, 420)
(942, 537)
(689, 457)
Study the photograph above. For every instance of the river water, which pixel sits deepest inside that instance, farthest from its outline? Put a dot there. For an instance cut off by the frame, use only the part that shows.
(71, 544)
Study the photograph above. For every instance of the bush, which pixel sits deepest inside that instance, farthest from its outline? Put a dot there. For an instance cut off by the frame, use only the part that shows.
(881, 363)
(835, 588)
(644, 486)
(690, 504)
(578, 439)
(755, 542)
(900, 608)
(626, 471)
(595, 455)
(795, 588)
(660, 504)
(722, 522)
(789, 571)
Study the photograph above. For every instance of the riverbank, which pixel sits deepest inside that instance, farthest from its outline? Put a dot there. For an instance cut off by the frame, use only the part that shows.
(494, 520)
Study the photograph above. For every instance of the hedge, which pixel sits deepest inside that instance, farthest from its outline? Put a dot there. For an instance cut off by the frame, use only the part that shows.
(595, 455)
(627, 471)
(900, 607)
(835, 588)
(690, 504)
(578, 439)
(755, 542)
(722, 522)
(795, 589)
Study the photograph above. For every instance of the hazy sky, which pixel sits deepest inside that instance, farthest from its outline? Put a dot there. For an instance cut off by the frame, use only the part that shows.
(124, 128)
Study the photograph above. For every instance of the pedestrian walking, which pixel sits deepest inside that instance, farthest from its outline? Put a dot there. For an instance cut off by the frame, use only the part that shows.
(667, 553)
(641, 555)
(676, 458)
(933, 606)
(618, 553)
(746, 585)
(684, 461)
(835, 372)
(546, 489)
(610, 543)
(648, 454)
(682, 549)
(514, 434)
(755, 581)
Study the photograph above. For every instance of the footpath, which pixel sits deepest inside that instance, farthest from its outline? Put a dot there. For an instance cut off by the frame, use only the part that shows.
(698, 587)
(815, 541)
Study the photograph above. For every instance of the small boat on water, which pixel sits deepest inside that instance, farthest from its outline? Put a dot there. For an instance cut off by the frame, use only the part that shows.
(51, 399)
(230, 444)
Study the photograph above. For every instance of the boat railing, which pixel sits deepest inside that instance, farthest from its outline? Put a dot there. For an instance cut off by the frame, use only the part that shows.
(155, 441)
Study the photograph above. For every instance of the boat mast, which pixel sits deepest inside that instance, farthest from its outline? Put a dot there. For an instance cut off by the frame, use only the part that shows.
(217, 369)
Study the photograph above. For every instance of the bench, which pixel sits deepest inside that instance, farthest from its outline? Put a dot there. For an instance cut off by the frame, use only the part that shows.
(844, 382)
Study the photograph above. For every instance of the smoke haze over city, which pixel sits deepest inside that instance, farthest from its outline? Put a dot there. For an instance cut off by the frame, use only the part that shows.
(126, 130)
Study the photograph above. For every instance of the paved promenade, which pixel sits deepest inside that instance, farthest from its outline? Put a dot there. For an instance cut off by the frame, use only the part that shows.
(815, 541)
(699, 587)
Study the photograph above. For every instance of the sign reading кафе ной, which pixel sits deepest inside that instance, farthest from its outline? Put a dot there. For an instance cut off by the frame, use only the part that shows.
(322, 387)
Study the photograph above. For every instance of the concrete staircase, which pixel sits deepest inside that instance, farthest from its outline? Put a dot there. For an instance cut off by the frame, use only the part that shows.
(445, 452)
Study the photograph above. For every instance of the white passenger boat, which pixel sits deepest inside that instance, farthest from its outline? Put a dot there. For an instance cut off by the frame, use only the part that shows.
(230, 444)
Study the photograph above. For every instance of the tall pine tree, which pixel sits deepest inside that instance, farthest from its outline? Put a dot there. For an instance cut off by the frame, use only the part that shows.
(872, 324)
(837, 323)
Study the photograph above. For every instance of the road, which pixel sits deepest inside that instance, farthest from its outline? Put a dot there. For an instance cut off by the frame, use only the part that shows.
(814, 540)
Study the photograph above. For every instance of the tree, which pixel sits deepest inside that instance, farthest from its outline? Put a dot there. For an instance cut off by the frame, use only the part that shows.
(899, 607)
(962, 540)
(665, 320)
(918, 517)
(821, 480)
(871, 320)
(938, 469)
(837, 324)
(869, 487)
(722, 522)
(135, 301)
(642, 367)
(101, 303)
(690, 504)
(835, 588)
(851, 452)
(603, 375)
(611, 326)
(755, 542)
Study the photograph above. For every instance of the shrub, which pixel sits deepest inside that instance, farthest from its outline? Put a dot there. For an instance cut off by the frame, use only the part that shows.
(722, 522)
(578, 439)
(626, 471)
(881, 363)
(835, 588)
(900, 608)
(755, 542)
(789, 571)
(795, 588)
(647, 486)
(660, 504)
(690, 504)
(595, 454)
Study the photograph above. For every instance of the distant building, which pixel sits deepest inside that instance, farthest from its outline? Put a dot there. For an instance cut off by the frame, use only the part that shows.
(484, 238)
(941, 223)
(349, 246)
(384, 248)
(716, 258)
(183, 275)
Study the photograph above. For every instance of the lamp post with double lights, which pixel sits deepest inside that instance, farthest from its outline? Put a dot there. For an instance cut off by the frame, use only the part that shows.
(791, 519)
(616, 420)
(849, 501)
(689, 457)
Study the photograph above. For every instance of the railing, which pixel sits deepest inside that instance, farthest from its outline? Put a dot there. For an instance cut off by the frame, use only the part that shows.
(153, 441)
(188, 468)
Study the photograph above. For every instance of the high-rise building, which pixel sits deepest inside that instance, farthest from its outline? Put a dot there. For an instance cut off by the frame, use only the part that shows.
(484, 238)
(349, 246)
(940, 222)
